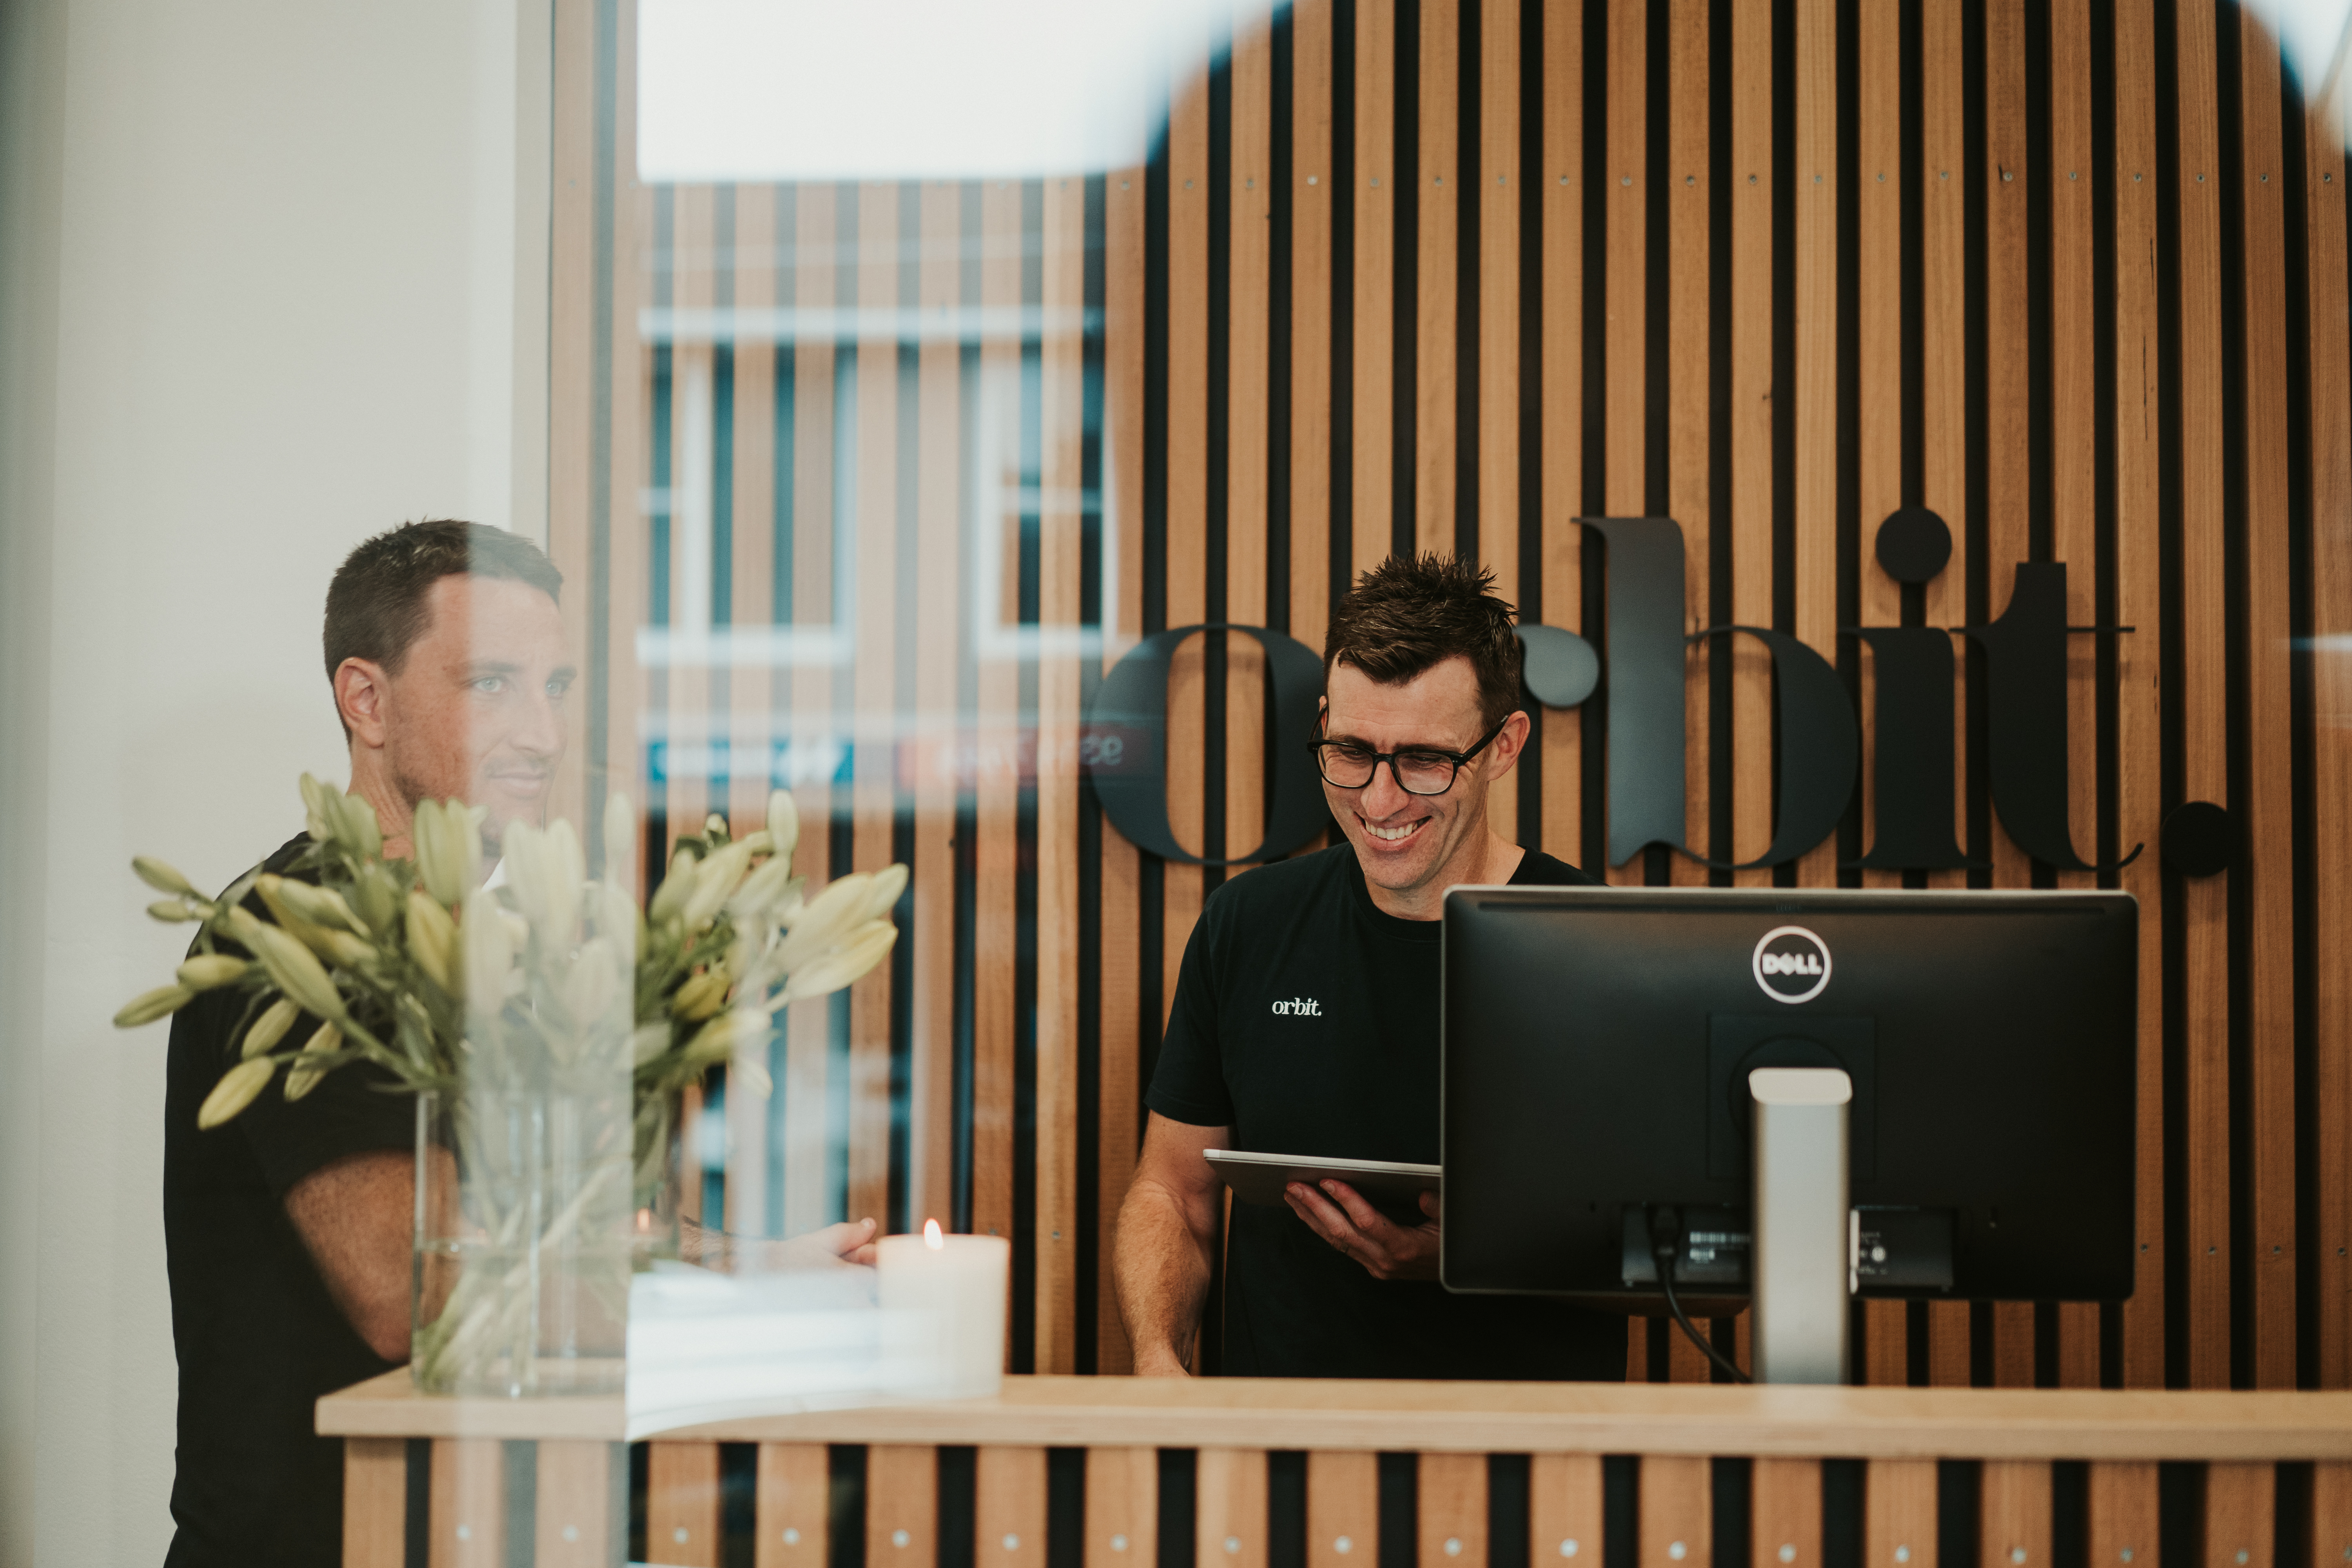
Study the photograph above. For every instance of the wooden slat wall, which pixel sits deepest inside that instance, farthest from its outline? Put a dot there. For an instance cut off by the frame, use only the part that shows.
(2073, 275)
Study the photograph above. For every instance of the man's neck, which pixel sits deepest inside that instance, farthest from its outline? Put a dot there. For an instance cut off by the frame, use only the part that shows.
(1484, 860)
(394, 816)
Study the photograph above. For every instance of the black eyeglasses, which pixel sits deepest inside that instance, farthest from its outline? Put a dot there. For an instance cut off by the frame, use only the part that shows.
(1418, 770)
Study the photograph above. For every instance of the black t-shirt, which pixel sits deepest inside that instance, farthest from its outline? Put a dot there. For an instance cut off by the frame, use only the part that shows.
(258, 1338)
(1307, 1020)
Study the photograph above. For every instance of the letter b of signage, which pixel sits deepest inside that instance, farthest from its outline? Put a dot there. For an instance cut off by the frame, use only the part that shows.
(1820, 745)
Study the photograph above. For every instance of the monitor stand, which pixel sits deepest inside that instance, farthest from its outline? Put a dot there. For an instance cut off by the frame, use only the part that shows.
(1802, 1253)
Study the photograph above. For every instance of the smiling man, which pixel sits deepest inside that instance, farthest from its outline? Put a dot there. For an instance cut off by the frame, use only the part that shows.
(1306, 1023)
(290, 1227)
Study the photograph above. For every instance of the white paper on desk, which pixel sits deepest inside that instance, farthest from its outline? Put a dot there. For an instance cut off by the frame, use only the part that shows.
(705, 1346)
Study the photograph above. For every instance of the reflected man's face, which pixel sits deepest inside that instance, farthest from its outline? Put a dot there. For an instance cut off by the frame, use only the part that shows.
(476, 711)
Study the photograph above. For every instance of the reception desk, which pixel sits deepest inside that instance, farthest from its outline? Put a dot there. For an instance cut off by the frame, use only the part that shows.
(476, 1475)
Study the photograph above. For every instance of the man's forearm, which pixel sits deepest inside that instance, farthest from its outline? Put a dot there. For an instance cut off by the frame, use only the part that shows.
(1161, 1270)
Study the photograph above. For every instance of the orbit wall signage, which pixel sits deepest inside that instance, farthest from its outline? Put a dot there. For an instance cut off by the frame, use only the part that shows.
(1643, 664)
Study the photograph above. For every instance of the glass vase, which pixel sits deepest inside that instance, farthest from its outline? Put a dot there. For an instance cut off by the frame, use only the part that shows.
(522, 1258)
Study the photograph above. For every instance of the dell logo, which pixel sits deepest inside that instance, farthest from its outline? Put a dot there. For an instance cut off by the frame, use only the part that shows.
(1298, 1009)
(1791, 964)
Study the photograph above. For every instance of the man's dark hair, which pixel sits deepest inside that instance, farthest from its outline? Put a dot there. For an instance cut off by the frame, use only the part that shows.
(376, 607)
(1412, 613)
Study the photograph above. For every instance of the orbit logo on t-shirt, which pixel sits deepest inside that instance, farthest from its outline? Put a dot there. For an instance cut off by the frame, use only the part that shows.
(1297, 1007)
(1791, 964)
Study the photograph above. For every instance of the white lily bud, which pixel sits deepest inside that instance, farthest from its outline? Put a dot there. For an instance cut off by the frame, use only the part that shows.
(207, 970)
(649, 1041)
(783, 823)
(171, 911)
(234, 1091)
(714, 883)
(701, 995)
(824, 920)
(161, 876)
(290, 964)
(592, 987)
(846, 964)
(490, 952)
(433, 938)
(302, 1076)
(671, 898)
(356, 827)
(449, 850)
(270, 1027)
(761, 891)
(889, 883)
(149, 1005)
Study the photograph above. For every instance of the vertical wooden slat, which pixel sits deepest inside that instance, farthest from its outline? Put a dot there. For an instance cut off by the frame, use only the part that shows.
(749, 265)
(939, 643)
(1626, 200)
(1374, 328)
(1689, 190)
(1677, 1512)
(1009, 1507)
(2122, 1524)
(1250, 259)
(2138, 658)
(1437, 245)
(793, 1507)
(1878, 397)
(1751, 419)
(570, 360)
(2007, 179)
(375, 1502)
(1786, 1508)
(1898, 1521)
(1120, 1106)
(2238, 1516)
(1187, 471)
(1310, 324)
(2331, 1502)
(1343, 1509)
(1564, 1510)
(1818, 175)
(1122, 1508)
(1495, 169)
(1060, 567)
(997, 787)
(626, 472)
(1231, 1511)
(2329, 447)
(467, 1517)
(808, 1033)
(2204, 696)
(1946, 165)
(902, 1505)
(1562, 385)
(1452, 1511)
(1625, 346)
(874, 681)
(2015, 1512)
(2266, 650)
(688, 728)
(682, 1504)
(574, 1505)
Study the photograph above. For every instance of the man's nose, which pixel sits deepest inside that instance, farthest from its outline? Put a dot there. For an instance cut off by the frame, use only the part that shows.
(539, 730)
(1382, 794)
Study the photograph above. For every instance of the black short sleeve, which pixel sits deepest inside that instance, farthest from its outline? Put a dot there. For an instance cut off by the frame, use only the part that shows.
(354, 1110)
(1188, 1083)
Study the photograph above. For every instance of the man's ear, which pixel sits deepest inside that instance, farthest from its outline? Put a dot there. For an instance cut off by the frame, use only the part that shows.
(361, 689)
(1507, 745)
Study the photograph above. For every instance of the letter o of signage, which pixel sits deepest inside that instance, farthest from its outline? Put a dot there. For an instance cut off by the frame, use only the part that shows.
(1127, 740)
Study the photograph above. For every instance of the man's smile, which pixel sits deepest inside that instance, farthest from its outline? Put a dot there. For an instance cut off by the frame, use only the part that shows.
(1396, 834)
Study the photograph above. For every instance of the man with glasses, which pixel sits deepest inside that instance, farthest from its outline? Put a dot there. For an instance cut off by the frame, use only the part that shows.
(1306, 1023)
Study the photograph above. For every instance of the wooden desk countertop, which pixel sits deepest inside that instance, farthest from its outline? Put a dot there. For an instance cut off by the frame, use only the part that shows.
(1464, 1418)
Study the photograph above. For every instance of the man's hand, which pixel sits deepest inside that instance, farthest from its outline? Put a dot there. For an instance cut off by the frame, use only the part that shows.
(850, 1242)
(1388, 1250)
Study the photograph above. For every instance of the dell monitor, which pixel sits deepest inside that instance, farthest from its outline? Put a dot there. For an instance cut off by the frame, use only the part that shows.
(1601, 1046)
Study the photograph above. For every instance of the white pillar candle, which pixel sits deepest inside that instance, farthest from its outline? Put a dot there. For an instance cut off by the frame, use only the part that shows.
(943, 1303)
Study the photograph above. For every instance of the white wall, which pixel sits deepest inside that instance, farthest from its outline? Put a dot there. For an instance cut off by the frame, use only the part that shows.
(260, 267)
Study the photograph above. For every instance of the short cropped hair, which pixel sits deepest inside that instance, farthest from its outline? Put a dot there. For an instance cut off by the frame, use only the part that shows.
(376, 607)
(1412, 613)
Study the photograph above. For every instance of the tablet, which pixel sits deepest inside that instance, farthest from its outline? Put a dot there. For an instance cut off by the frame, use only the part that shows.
(1391, 1186)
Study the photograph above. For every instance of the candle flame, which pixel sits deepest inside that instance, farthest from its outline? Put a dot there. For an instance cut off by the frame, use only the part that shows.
(931, 1237)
